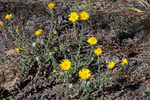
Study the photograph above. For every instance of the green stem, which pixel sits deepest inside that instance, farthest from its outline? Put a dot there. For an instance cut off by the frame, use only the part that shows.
(108, 73)
(98, 62)
(49, 35)
(80, 42)
(83, 86)
(90, 56)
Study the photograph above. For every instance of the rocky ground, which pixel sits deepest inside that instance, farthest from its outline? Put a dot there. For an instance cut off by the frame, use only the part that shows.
(124, 34)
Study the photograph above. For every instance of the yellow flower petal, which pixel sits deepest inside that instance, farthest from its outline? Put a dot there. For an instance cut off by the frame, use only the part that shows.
(73, 16)
(17, 30)
(92, 41)
(84, 15)
(65, 64)
(8, 16)
(1, 23)
(17, 50)
(111, 65)
(54, 32)
(84, 73)
(124, 61)
(51, 5)
(97, 51)
(38, 32)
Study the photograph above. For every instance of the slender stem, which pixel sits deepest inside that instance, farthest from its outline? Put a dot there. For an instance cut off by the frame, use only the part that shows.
(98, 62)
(51, 30)
(80, 42)
(90, 56)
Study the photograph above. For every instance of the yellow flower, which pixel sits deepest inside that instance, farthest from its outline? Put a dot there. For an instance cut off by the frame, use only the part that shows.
(54, 32)
(1, 23)
(124, 61)
(92, 41)
(97, 51)
(38, 32)
(73, 16)
(17, 30)
(51, 5)
(8, 16)
(17, 50)
(65, 64)
(111, 65)
(84, 15)
(84, 73)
